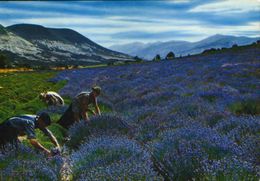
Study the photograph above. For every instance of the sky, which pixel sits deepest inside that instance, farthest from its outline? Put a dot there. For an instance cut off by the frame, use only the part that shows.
(121, 22)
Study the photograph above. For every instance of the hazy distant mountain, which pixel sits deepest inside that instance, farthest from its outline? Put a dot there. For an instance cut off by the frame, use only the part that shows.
(130, 48)
(36, 44)
(148, 51)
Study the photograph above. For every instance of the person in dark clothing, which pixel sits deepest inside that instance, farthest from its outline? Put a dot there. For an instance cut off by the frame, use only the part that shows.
(26, 125)
(51, 98)
(79, 107)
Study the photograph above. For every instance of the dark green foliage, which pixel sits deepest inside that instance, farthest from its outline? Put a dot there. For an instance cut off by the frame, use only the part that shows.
(209, 51)
(234, 46)
(138, 59)
(3, 61)
(157, 58)
(2, 30)
(170, 56)
(246, 107)
(110, 63)
(210, 98)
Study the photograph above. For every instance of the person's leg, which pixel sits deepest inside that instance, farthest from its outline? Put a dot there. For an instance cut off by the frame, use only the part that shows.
(67, 119)
(9, 135)
(76, 117)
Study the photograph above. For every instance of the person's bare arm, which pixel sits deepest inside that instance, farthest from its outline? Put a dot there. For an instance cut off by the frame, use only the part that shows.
(37, 145)
(53, 139)
(93, 112)
(97, 108)
(85, 116)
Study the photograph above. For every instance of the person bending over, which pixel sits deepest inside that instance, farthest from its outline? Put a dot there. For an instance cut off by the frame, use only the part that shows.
(51, 98)
(79, 107)
(25, 125)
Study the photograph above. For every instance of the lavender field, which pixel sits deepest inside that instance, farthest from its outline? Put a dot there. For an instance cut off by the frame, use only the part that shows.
(197, 117)
(194, 118)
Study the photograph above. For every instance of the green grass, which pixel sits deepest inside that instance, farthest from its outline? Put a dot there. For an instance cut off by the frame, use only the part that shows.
(19, 95)
(250, 106)
(210, 98)
(19, 92)
(93, 66)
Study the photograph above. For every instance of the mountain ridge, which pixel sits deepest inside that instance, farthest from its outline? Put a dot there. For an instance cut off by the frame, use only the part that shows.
(182, 48)
(54, 46)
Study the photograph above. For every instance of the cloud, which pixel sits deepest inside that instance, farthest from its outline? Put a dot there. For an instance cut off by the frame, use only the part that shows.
(229, 6)
(178, 1)
(148, 35)
(108, 22)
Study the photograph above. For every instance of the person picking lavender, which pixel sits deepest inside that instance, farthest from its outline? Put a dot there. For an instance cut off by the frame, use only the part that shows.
(51, 98)
(25, 125)
(79, 107)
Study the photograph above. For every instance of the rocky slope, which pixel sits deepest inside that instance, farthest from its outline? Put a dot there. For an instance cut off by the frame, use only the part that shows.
(37, 45)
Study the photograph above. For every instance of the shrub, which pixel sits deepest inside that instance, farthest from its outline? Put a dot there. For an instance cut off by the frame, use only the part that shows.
(138, 59)
(157, 58)
(170, 56)
(183, 151)
(249, 106)
(3, 61)
(237, 128)
(112, 158)
(232, 169)
(24, 163)
(98, 125)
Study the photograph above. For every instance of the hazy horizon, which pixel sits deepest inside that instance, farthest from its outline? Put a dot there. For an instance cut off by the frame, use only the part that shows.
(120, 22)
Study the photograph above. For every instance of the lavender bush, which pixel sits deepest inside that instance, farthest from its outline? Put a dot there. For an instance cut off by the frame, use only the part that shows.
(183, 151)
(105, 124)
(112, 158)
(24, 163)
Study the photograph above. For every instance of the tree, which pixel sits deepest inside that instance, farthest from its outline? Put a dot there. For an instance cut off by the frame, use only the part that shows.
(234, 46)
(170, 56)
(3, 61)
(209, 51)
(157, 58)
(137, 59)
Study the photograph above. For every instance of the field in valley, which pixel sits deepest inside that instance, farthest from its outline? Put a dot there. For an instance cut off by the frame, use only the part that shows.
(194, 118)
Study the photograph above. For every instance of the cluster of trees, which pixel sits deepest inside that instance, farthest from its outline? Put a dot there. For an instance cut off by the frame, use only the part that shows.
(214, 50)
(115, 62)
(169, 56)
(234, 47)
(4, 62)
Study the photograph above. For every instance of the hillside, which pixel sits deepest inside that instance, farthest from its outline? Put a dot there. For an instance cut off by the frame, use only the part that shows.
(197, 116)
(148, 51)
(38, 45)
(192, 118)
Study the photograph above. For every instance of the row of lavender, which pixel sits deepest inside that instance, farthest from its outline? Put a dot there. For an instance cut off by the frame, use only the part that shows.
(180, 112)
(171, 120)
(99, 150)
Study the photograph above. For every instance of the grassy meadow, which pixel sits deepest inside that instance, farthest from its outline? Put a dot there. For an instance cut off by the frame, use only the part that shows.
(19, 94)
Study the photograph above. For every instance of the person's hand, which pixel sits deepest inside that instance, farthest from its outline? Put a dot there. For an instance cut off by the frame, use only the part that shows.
(55, 151)
(48, 153)
(58, 148)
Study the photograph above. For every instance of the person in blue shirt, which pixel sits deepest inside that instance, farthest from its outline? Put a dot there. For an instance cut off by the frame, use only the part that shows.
(25, 125)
